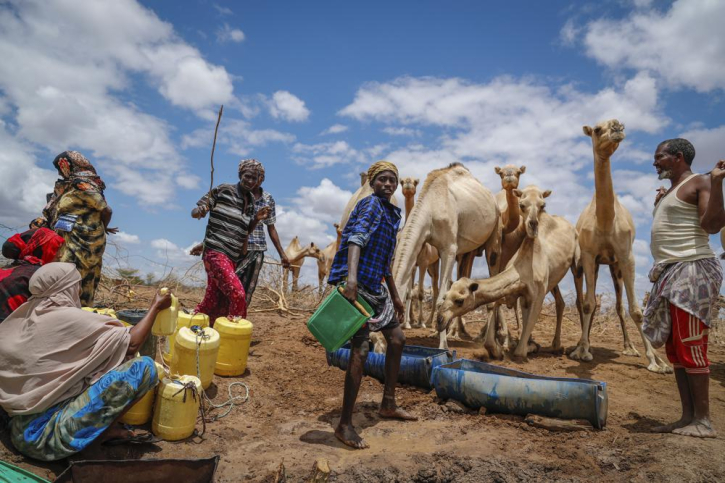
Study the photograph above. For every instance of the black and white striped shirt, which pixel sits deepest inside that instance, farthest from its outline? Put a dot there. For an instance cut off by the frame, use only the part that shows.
(228, 225)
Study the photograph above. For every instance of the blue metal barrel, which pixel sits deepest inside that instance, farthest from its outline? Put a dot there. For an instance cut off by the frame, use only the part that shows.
(416, 363)
(503, 390)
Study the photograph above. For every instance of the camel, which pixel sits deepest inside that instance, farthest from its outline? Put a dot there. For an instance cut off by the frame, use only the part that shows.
(455, 214)
(550, 248)
(296, 255)
(427, 262)
(606, 235)
(324, 262)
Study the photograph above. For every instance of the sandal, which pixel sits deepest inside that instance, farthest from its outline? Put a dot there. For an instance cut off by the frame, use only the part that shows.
(144, 437)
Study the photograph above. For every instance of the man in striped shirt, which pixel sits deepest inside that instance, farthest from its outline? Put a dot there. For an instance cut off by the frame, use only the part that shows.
(231, 219)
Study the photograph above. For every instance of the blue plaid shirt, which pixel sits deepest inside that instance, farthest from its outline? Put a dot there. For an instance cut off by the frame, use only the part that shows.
(257, 239)
(373, 225)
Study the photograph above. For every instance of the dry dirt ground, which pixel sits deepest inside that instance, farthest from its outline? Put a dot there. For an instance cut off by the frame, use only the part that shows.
(296, 398)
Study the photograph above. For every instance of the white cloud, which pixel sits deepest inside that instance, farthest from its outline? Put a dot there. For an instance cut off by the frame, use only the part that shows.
(188, 181)
(223, 10)
(126, 238)
(508, 120)
(324, 155)
(66, 90)
(334, 129)
(684, 46)
(167, 250)
(287, 106)
(708, 147)
(237, 135)
(325, 201)
(402, 131)
(227, 34)
(569, 32)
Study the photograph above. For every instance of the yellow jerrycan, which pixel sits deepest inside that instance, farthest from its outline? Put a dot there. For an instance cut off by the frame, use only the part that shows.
(176, 408)
(141, 412)
(165, 323)
(183, 319)
(188, 341)
(109, 312)
(235, 335)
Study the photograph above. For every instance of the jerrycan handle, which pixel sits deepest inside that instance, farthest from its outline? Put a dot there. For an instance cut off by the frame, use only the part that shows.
(356, 304)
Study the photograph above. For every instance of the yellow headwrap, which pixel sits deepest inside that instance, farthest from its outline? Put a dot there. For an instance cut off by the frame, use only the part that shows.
(379, 167)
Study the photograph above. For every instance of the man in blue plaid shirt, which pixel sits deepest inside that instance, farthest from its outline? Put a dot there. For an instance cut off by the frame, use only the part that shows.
(362, 263)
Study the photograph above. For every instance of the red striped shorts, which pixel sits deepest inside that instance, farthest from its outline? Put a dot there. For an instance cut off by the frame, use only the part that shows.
(687, 345)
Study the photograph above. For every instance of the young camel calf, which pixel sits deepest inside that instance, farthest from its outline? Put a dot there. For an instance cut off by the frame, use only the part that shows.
(549, 250)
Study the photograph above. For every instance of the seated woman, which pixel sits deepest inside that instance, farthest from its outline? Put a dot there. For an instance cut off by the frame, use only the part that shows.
(29, 251)
(67, 375)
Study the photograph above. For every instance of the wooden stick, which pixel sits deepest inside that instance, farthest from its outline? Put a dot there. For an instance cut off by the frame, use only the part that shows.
(213, 147)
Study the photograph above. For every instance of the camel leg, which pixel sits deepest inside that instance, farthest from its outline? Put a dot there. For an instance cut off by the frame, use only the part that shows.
(590, 275)
(447, 260)
(560, 305)
(434, 272)
(320, 278)
(629, 349)
(408, 307)
(490, 343)
(465, 267)
(418, 299)
(285, 279)
(503, 331)
(295, 278)
(529, 316)
(578, 272)
(656, 363)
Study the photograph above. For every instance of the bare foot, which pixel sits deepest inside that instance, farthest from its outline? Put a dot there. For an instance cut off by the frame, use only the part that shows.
(668, 428)
(347, 435)
(396, 413)
(697, 429)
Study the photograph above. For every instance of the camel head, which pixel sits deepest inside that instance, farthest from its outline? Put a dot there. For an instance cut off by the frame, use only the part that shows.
(532, 204)
(315, 252)
(408, 185)
(510, 175)
(363, 178)
(459, 300)
(606, 136)
(338, 230)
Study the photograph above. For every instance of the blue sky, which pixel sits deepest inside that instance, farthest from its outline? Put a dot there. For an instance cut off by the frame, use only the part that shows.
(318, 90)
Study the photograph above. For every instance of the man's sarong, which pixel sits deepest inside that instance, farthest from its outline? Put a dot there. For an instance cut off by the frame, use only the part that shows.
(70, 426)
(691, 286)
(248, 272)
(224, 296)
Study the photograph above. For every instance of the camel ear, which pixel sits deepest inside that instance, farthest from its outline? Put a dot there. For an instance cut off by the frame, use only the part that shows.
(312, 244)
(336, 225)
(546, 193)
(416, 181)
(497, 169)
(518, 193)
(473, 287)
(522, 169)
(587, 130)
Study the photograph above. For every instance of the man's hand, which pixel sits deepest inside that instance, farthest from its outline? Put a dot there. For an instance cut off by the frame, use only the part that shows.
(262, 214)
(161, 302)
(284, 261)
(350, 291)
(111, 231)
(661, 191)
(200, 211)
(718, 172)
(196, 251)
(399, 309)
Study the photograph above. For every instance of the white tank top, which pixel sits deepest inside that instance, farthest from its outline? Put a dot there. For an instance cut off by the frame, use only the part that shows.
(676, 232)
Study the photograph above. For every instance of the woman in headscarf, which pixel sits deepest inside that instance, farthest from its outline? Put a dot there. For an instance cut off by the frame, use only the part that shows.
(67, 375)
(29, 251)
(232, 218)
(78, 211)
(361, 264)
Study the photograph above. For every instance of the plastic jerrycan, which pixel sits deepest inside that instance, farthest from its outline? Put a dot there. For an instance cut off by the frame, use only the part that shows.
(102, 311)
(183, 319)
(188, 341)
(235, 335)
(176, 408)
(142, 410)
(165, 323)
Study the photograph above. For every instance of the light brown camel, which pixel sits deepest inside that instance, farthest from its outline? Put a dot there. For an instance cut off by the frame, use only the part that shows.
(296, 254)
(324, 263)
(456, 214)
(427, 262)
(606, 235)
(548, 251)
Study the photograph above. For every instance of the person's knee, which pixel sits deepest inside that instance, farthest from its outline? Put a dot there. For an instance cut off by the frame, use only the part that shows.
(396, 338)
(360, 348)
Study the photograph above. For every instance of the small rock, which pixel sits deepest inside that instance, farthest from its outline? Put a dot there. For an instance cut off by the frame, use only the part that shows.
(482, 411)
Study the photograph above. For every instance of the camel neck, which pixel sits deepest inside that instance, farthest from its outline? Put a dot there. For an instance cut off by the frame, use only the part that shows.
(603, 192)
(513, 212)
(409, 203)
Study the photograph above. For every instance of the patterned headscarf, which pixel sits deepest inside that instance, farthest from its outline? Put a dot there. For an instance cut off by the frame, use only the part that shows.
(377, 168)
(76, 172)
(34, 246)
(251, 165)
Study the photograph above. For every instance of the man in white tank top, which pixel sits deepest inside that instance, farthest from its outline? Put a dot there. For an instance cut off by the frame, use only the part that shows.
(687, 277)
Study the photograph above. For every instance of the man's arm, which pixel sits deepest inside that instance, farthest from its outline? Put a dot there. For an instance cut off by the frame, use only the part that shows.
(397, 303)
(353, 257)
(710, 201)
(274, 236)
